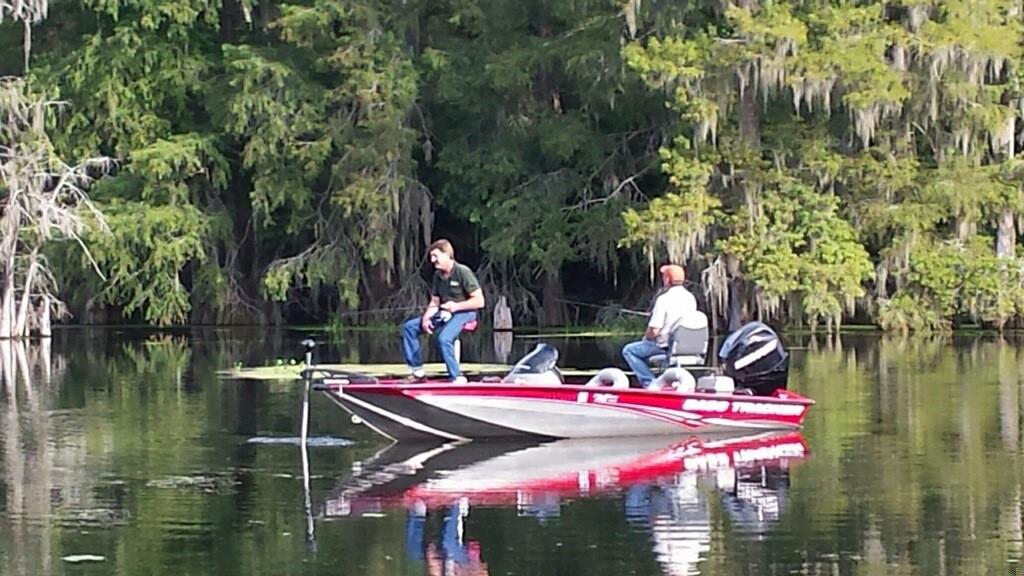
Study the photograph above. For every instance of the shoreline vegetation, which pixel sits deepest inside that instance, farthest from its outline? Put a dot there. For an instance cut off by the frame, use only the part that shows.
(289, 369)
(582, 331)
(809, 164)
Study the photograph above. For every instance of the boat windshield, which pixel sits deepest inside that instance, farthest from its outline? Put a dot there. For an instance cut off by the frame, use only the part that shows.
(542, 360)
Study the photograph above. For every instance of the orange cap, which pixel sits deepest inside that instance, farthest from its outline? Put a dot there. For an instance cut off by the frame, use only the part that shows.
(672, 274)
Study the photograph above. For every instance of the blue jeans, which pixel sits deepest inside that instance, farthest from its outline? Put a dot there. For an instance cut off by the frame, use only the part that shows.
(451, 539)
(446, 335)
(636, 355)
(414, 527)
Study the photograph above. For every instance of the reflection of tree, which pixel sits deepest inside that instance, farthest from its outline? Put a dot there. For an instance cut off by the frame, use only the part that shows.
(916, 468)
(502, 347)
(38, 474)
(916, 446)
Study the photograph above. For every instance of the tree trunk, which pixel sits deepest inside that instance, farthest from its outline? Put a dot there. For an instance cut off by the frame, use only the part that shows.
(965, 229)
(1006, 236)
(45, 329)
(232, 16)
(737, 312)
(502, 314)
(750, 126)
(554, 300)
(21, 325)
(7, 306)
(379, 282)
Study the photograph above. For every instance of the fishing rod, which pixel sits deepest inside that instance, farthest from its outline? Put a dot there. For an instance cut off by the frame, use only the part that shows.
(380, 310)
(604, 307)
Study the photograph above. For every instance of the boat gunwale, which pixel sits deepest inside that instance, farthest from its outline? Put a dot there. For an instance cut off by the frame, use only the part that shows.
(400, 387)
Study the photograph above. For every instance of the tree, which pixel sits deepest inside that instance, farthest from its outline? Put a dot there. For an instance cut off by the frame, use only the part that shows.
(541, 137)
(902, 115)
(29, 12)
(43, 200)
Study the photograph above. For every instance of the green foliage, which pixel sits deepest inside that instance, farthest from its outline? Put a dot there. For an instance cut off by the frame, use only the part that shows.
(543, 137)
(675, 222)
(302, 148)
(801, 244)
(143, 256)
(950, 279)
(907, 313)
(993, 288)
(924, 95)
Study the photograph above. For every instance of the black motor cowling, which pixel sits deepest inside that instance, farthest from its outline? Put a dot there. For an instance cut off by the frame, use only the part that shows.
(754, 358)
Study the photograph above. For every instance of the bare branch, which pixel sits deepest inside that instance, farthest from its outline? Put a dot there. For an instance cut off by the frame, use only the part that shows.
(41, 199)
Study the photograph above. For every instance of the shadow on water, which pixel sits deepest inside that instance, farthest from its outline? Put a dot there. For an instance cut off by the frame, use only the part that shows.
(124, 450)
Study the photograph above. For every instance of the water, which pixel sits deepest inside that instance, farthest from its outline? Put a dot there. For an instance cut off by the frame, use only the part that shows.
(125, 453)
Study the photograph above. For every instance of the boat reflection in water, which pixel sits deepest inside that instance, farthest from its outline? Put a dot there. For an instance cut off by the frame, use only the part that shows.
(663, 481)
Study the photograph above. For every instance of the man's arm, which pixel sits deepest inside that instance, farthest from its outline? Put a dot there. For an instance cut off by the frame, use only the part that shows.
(657, 321)
(474, 302)
(426, 321)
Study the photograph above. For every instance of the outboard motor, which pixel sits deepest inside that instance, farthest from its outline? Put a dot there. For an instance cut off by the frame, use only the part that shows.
(754, 358)
(540, 366)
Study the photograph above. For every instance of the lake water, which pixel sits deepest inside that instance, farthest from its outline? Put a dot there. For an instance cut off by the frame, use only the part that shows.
(125, 453)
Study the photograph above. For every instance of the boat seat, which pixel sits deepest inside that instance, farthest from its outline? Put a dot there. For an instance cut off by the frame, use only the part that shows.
(687, 344)
(470, 326)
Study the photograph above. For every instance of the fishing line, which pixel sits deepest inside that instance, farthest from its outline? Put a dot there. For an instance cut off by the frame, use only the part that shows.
(379, 310)
(604, 307)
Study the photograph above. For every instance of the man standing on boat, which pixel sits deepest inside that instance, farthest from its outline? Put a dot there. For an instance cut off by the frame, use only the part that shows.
(455, 297)
(672, 304)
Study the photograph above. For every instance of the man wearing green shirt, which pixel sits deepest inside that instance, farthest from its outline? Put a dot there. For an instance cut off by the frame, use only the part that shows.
(455, 297)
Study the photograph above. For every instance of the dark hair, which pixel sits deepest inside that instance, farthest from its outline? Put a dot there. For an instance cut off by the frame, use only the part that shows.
(444, 246)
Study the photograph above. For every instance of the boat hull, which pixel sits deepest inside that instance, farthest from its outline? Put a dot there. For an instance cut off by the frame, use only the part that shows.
(443, 411)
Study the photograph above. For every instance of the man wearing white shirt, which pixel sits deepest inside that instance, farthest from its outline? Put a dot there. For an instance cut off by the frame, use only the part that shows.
(671, 306)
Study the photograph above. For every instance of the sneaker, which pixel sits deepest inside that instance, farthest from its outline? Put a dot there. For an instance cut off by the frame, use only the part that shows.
(460, 380)
(416, 377)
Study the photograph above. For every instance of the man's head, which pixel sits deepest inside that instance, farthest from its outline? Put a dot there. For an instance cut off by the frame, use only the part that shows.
(442, 255)
(672, 275)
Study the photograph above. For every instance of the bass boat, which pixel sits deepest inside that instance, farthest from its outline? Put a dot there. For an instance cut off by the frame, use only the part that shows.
(746, 393)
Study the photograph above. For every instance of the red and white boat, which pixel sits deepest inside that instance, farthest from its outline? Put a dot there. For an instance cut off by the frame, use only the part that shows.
(534, 400)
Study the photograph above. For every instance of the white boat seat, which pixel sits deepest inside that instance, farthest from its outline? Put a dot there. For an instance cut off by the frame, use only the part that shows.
(687, 344)
(675, 378)
(609, 377)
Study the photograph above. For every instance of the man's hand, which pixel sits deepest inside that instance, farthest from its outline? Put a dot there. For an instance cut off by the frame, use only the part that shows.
(427, 321)
(452, 307)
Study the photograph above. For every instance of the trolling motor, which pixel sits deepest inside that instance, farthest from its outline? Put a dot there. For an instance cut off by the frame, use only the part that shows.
(309, 344)
(310, 372)
(307, 375)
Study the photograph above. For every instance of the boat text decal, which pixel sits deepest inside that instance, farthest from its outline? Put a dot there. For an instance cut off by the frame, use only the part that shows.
(723, 406)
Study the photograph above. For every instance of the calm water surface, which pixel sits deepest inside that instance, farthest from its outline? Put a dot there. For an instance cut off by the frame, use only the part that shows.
(125, 453)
